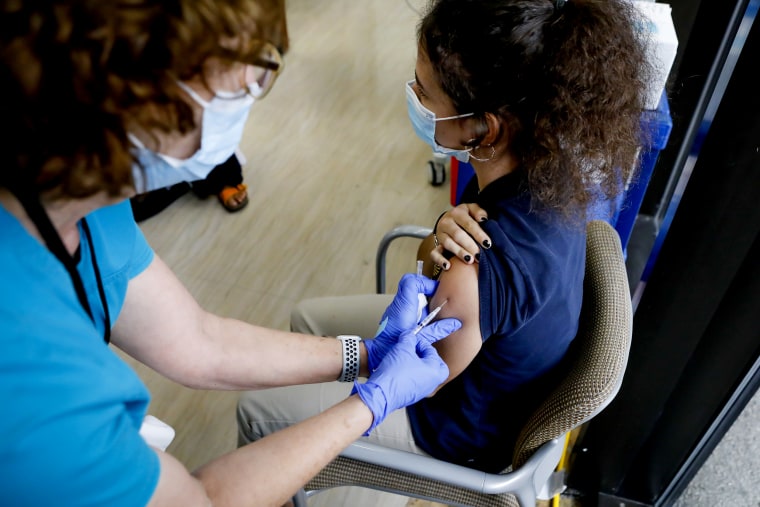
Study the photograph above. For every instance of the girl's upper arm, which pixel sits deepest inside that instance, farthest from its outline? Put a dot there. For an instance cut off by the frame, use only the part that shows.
(459, 285)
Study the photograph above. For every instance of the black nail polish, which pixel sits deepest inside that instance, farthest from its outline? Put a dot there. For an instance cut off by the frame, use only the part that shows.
(445, 265)
(487, 243)
(477, 256)
(483, 219)
(467, 258)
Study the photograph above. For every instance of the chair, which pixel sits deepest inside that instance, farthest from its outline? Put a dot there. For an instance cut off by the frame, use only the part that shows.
(594, 377)
(411, 231)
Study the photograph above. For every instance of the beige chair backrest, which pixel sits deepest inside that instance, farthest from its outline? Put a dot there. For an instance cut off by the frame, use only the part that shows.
(604, 336)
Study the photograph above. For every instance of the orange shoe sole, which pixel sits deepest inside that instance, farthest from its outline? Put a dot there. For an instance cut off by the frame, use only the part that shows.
(228, 195)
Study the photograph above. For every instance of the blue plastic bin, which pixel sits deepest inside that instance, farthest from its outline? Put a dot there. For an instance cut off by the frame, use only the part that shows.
(657, 124)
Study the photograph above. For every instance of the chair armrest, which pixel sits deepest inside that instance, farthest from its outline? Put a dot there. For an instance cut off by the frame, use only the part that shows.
(414, 231)
(457, 475)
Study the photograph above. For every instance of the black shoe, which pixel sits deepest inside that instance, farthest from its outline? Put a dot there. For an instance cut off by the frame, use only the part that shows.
(227, 174)
(151, 203)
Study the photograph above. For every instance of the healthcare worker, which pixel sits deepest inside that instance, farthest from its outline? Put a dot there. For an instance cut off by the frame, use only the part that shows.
(90, 87)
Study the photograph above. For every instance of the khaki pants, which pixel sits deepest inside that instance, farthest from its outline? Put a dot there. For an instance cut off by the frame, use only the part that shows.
(260, 413)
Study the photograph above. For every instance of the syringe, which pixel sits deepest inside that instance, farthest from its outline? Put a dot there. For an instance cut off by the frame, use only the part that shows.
(427, 320)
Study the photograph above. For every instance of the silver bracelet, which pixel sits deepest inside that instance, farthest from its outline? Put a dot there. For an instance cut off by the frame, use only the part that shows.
(351, 356)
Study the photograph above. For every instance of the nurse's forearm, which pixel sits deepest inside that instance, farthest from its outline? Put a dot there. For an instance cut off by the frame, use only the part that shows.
(269, 471)
(244, 357)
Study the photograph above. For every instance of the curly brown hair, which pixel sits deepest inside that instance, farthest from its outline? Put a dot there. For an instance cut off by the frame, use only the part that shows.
(76, 73)
(568, 78)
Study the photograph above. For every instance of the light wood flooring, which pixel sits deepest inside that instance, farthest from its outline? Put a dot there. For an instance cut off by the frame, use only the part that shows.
(332, 165)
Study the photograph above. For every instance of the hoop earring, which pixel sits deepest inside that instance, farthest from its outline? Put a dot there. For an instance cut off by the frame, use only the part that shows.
(493, 154)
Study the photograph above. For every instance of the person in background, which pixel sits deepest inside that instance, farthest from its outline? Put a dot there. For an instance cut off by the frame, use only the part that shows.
(150, 82)
(544, 99)
(225, 181)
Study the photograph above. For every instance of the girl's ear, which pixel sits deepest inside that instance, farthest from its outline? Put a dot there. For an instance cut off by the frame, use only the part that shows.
(486, 131)
(493, 129)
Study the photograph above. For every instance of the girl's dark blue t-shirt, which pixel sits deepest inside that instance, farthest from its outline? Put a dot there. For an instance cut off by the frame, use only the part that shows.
(530, 284)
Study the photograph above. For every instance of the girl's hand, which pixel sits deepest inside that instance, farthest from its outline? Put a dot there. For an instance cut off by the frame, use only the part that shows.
(458, 231)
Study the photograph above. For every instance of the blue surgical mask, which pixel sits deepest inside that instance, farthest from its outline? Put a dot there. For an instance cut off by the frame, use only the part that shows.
(224, 118)
(424, 120)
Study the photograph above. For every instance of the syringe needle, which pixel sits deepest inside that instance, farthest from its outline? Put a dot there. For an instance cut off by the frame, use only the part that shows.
(427, 320)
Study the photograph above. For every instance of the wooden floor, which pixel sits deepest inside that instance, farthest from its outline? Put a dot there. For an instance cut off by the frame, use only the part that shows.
(332, 164)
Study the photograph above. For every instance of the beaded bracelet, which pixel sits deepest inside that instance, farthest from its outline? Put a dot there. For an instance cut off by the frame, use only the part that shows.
(350, 345)
(435, 227)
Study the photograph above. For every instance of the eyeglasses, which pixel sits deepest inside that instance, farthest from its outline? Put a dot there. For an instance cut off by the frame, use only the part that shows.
(261, 75)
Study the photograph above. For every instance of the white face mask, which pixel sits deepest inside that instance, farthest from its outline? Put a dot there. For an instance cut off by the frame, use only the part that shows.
(224, 118)
(424, 120)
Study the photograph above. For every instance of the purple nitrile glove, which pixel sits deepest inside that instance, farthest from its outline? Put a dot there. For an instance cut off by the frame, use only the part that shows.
(411, 370)
(408, 307)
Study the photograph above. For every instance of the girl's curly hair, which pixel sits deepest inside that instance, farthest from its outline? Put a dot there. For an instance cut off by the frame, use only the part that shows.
(569, 81)
(76, 74)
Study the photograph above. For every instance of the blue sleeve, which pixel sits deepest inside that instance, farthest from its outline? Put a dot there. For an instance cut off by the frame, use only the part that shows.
(120, 242)
(506, 287)
(122, 251)
(142, 254)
